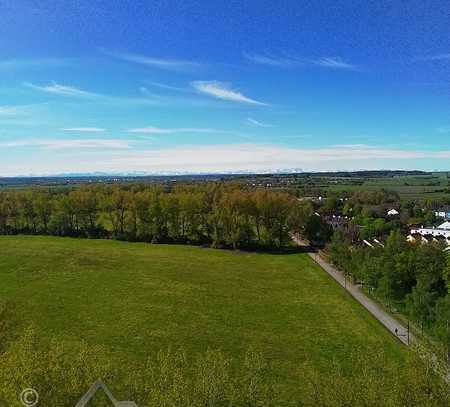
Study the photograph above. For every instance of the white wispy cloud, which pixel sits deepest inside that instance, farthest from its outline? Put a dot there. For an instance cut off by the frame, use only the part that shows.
(257, 123)
(71, 91)
(162, 63)
(435, 57)
(271, 60)
(160, 130)
(169, 87)
(289, 61)
(19, 110)
(58, 144)
(84, 129)
(187, 98)
(297, 136)
(333, 62)
(223, 91)
(15, 63)
(10, 110)
(63, 90)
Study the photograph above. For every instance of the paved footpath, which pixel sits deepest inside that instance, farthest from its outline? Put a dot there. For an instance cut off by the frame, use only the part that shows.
(374, 308)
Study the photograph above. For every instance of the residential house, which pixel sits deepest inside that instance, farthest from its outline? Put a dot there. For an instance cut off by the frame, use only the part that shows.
(442, 232)
(393, 212)
(442, 213)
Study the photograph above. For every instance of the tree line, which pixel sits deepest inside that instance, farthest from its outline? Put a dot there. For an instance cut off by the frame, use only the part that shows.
(414, 278)
(218, 215)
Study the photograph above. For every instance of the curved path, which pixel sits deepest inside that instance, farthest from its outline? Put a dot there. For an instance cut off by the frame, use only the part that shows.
(391, 324)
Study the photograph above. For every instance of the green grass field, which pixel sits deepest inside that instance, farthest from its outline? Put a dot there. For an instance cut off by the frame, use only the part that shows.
(135, 299)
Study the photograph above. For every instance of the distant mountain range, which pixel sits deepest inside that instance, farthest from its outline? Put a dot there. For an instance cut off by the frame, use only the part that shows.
(154, 173)
(296, 171)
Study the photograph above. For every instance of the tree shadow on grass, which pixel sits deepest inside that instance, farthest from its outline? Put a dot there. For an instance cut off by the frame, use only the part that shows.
(275, 251)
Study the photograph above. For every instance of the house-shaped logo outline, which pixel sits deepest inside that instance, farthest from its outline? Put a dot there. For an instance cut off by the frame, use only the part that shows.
(93, 390)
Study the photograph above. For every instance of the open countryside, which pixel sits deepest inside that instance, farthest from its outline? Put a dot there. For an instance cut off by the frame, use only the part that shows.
(208, 203)
(136, 269)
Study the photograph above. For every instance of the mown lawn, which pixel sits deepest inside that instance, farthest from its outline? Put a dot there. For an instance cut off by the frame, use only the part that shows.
(135, 299)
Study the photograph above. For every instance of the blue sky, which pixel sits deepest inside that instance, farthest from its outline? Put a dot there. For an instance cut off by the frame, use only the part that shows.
(212, 86)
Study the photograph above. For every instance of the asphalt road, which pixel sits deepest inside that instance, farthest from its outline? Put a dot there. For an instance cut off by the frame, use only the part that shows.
(391, 324)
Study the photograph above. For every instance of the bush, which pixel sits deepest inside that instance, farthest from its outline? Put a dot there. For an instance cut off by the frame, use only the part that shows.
(63, 371)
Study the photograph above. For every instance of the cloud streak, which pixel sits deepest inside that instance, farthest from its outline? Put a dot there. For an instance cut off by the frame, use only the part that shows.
(7, 64)
(275, 61)
(333, 63)
(294, 62)
(223, 91)
(72, 91)
(18, 110)
(161, 63)
(11, 110)
(169, 87)
(160, 130)
(57, 144)
(84, 129)
(435, 57)
(257, 123)
(62, 90)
